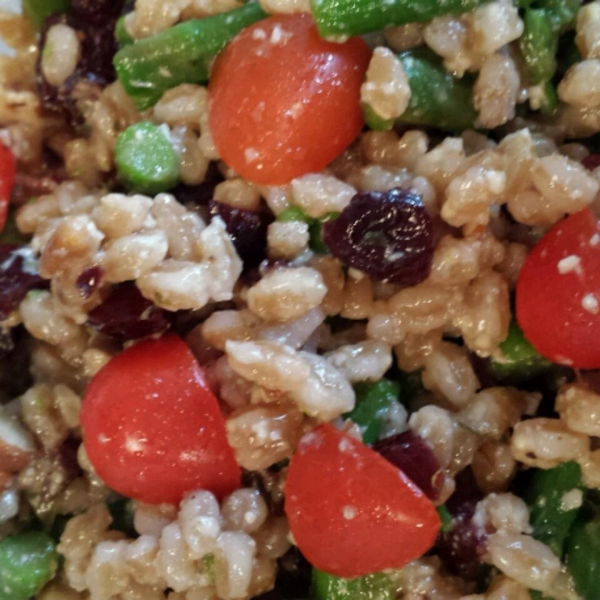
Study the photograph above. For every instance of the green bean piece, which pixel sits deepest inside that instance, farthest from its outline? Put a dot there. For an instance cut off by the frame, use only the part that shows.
(445, 518)
(121, 511)
(146, 161)
(122, 36)
(520, 360)
(562, 13)
(353, 17)
(293, 213)
(371, 587)
(437, 99)
(539, 44)
(549, 101)
(36, 11)
(550, 518)
(372, 403)
(316, 242)
(180, 54)
(583, 558)
(11, 234)
(27, 562)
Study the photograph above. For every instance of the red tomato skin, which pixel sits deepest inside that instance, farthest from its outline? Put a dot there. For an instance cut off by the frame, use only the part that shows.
(281, 109)
(549, 303)
(153, 430)
(351, 512)
(7, 181)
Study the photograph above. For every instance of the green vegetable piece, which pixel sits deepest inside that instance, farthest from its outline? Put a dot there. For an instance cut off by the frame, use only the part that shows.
(293, 213)
(11, 234)
(562, 13)
(372, 402)
(521, 361)
(146, 161)
(121, 34)
(121, 511)
(180, 54)
(316, 242)
(27, 562)
(353, 17)
(539, 44)
(374, 121)
(549, 104)
(583, 558)
(437, 99)
(36, 11)
(371, 587)
(550, 521)
(445, 518)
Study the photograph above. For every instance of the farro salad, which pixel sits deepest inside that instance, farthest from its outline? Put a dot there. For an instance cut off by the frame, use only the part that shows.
(300, 299)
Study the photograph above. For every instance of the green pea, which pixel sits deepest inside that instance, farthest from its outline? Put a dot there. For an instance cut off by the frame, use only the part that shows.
(146, 161)
(371, 587)
(27, 562)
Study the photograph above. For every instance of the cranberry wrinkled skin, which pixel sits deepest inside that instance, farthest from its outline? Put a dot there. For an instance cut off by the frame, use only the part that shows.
(412, 455)
(126, 315)
(18, 275)
(388, 235)
(89, 281)
(591, 161)
(248, 231)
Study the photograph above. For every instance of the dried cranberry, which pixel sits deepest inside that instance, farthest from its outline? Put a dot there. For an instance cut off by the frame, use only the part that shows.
(388, 235)
(412, 455)
(248, 231)
(126, 315)
(98, 10)
(18, 275)
(88, 282)
(591, 161)
(193, 196)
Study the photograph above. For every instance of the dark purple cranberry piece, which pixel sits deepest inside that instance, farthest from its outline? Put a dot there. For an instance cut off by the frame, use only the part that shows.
(126, 315)
(413, 456)
(98, 10)
(88, 282)
(388, 235)
(247, 229)
(18, 275)
(591, 161)
(193, 196)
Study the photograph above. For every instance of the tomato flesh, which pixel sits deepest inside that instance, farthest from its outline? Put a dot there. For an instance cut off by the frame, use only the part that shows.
(7, 181)
(351, 512)
(558, 293)
(283, 101)
(153, 430)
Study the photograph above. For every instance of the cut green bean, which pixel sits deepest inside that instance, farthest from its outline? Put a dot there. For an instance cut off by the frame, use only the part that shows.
(437, 98)
(374, 121)
(353, 17)
(36, 11)
(371, 587)
(27, 562)
(373, 401)
(549, 100)
(539, 44)
(551, 515)
(316, 242)
(293, 213)
(562, 13)
(146, 161)
(583, 558)
(180, 54)
(520, 360)
(445, 518)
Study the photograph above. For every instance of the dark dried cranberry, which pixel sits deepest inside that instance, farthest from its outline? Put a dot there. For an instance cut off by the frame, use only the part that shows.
(388, 235)
(591, 161)
(88, 282)
(247, 229)
(18, 275)
(193, 196)
(98, 10)
(126, 315)
(412, 455)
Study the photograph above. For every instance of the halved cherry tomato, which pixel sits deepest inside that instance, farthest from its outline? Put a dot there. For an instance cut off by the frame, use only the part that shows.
(352, 512)
(7, 181)
(152, 428)
(558, 293)
(285, 102)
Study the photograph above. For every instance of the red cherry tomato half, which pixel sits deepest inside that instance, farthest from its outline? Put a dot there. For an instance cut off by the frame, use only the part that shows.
(7, 181)
(352, 512)
(285, 102)
(558, 293)
(152, 428)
